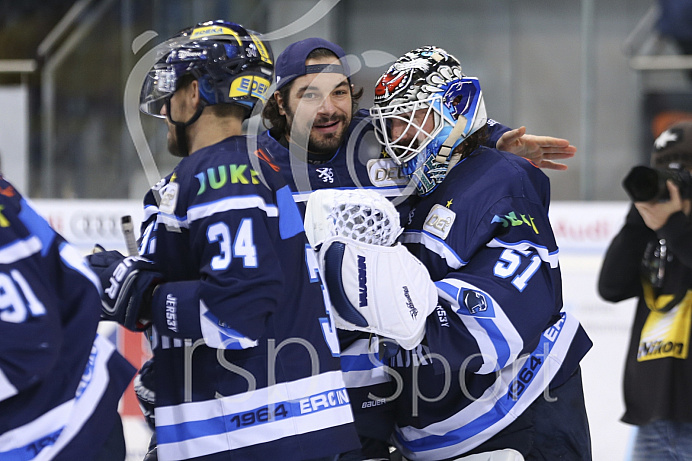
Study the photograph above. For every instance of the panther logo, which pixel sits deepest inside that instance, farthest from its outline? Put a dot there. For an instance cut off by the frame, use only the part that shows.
(475, 302)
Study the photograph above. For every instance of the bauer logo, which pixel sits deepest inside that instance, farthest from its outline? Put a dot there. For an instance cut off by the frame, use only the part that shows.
(439, 221)
(254, 86)
(362, 282)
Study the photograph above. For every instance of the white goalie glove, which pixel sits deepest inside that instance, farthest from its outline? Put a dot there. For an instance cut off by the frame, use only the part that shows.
(374, 284)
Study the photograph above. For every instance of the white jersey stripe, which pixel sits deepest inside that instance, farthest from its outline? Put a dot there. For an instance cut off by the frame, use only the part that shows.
(434, 244)
(20, 249)
(69, 418)
(358, 367)
(294, 390)
(497, 338)
(231, 203)
(393, 191)
(74, 259)
(260, 416)
(493, 411)
(7, 389)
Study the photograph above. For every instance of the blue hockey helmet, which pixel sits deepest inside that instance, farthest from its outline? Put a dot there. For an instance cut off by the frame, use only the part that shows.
(232, 65)
(426, 94)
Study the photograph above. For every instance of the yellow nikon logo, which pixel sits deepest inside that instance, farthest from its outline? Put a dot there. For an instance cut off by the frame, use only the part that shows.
(250, 85)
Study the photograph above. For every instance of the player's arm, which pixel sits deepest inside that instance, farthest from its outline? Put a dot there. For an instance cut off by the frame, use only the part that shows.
(30, 330)
(543, 151)
(238, 244)
(620, 276)
(495, 307)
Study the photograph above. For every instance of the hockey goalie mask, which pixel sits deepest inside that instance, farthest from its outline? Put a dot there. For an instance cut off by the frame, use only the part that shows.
(231, 64)
(425, 107)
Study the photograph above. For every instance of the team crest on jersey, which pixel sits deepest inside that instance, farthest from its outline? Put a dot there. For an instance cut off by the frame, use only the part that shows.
(326, 174)
(439, 221)
(384, 172)
(475, 302)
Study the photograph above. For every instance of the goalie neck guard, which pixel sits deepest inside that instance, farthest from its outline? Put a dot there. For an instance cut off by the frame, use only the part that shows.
(436, 107)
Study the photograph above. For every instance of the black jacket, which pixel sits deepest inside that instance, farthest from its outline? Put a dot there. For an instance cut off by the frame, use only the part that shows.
(654, 388)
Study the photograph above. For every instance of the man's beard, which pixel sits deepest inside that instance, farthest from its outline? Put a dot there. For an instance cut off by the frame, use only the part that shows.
(320, 145)
(172, 144)
(328, 144)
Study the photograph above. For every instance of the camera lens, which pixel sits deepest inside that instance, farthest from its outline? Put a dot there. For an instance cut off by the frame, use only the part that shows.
(643, 184)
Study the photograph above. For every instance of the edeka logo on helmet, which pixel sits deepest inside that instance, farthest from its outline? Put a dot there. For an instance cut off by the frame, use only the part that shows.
(232, 64)
(425, 107)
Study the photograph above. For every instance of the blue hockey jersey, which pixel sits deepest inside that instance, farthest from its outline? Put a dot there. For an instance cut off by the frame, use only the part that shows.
(498, 333)
(60, 382)
(246, 355)
(358, 163)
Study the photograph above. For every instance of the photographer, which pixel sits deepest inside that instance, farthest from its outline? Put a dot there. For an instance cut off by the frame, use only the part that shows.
(651, 258)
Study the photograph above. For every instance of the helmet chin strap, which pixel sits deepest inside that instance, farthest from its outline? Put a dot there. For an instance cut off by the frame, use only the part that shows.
(180, 127)
(456, 137)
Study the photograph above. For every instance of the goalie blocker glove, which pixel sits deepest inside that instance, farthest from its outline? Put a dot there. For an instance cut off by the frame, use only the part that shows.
(128, 285)
(378, 289)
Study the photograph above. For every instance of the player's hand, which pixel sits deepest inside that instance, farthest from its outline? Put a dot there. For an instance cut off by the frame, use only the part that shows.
(541, 150)
(101, 259)
(655, 214)
(144, 390)
(128, 285)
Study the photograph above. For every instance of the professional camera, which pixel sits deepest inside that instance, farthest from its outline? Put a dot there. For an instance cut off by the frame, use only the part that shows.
(645, 184)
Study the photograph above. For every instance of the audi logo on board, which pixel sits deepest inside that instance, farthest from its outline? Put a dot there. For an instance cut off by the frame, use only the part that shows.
(88, 225)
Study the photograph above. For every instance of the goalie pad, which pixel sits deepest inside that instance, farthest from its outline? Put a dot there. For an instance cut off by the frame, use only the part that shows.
(360, 214)
(377, 289)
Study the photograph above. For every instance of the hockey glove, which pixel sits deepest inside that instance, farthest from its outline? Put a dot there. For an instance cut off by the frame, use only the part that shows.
(128, 285)
(146, 395)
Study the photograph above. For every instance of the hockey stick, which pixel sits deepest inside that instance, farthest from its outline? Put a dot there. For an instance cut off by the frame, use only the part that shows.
(129, 234)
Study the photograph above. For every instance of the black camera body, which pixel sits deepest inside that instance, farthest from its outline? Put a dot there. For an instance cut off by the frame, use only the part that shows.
(645, 184)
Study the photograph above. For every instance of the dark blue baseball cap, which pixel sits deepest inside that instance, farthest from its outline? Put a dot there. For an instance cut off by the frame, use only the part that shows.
(291, 62)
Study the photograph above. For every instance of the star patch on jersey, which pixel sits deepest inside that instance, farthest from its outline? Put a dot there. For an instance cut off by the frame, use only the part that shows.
(439, 221)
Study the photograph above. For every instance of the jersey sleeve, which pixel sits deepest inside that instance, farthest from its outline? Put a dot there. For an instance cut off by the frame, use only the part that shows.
(235, 244)
(504, 292)
(29, 331)
(39, 273)
(495, 132)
